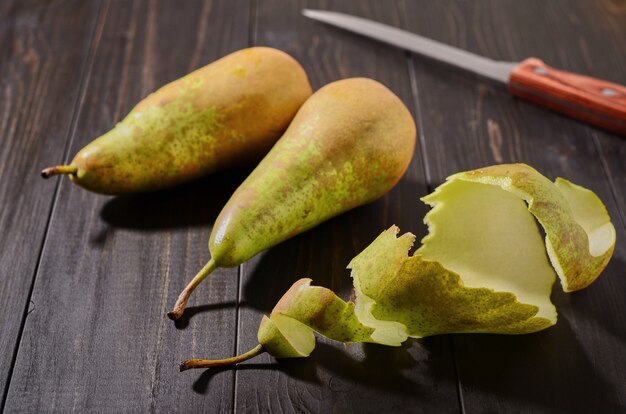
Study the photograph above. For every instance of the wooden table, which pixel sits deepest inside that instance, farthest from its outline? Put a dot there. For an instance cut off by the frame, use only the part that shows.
(85, 279)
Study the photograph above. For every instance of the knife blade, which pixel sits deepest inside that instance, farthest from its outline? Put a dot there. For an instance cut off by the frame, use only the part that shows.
(597, 102)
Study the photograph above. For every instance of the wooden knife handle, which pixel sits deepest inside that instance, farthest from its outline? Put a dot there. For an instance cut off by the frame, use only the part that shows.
(588, 99)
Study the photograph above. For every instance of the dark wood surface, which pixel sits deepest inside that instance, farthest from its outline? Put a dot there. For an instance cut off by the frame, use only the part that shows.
(85, 280)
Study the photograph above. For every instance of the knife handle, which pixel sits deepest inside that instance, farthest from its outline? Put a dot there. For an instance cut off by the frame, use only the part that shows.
(588, 99)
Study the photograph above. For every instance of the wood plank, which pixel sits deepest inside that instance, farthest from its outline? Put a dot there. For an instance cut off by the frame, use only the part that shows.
(613, 152)
(607, 61)
(97, 339)
(43, 50)
(578, 365)
(355, 378)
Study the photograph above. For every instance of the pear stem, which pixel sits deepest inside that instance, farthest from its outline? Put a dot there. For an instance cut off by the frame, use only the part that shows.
(214, 363)
(181, 302)
(58, 169)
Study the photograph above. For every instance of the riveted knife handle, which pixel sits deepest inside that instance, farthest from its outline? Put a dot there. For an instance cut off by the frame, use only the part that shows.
(585, 98)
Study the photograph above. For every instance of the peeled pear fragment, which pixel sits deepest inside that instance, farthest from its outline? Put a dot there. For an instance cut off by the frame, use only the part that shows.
(225, 114)
(348, 145)
(483, 267)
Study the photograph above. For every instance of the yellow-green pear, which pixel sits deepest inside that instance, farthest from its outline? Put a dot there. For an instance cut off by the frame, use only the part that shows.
(225, 114)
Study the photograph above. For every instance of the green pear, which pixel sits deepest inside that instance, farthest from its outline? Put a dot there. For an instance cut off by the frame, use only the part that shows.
(225, 114)
(348, 145)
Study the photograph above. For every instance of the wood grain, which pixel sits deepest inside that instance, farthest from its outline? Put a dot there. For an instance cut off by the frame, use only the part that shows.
(103, 271)
(43, 54)
(97, 339)
(578, 365)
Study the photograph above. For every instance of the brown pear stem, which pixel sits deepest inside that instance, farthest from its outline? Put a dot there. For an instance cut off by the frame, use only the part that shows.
(58, 169)
(181, 302)
(214, 363)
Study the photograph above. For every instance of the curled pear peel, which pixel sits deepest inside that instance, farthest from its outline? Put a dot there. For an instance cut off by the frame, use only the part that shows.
(225, 114)
(348, 145)
(579, 235)
(483, 267)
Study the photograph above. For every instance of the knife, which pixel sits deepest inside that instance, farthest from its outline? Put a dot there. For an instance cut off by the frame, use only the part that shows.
(588, 99)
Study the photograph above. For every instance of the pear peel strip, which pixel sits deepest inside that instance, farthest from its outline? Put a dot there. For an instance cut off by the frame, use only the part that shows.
(400, 295)
(494, 311)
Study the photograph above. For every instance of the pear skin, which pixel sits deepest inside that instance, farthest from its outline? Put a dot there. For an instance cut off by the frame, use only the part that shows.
(348, 145)
(225, 114)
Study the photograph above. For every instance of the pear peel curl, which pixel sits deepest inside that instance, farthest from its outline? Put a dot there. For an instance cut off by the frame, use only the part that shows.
(483, 268)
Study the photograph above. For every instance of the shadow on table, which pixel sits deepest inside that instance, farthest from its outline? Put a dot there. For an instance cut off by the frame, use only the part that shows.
(549, 371)
(381, 368)
(602, 302)
(191, 311)
(195, 203)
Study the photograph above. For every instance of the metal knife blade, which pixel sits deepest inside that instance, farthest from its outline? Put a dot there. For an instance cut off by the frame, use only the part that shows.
(492, 69)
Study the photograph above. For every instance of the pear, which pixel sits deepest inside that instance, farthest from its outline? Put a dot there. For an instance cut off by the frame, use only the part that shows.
(225, 114)
(348, 145)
